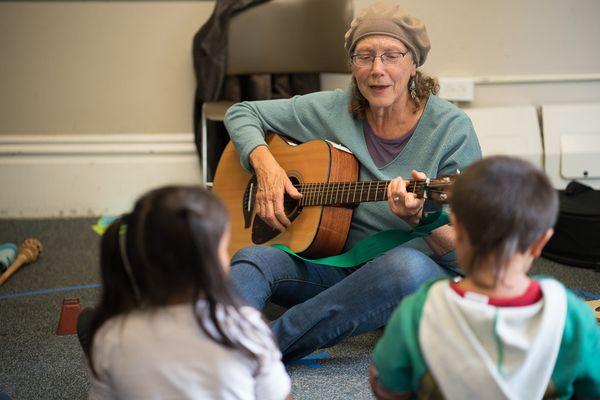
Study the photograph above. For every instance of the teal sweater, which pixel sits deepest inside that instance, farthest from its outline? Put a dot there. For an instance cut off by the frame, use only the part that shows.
(443, 142)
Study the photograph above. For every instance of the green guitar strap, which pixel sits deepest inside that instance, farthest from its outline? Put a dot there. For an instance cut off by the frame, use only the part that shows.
(372, 246)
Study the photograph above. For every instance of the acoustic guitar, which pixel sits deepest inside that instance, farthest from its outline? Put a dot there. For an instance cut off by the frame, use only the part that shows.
(326, 174)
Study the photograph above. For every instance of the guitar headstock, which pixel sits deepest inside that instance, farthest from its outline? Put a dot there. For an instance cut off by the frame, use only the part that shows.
(437, 189)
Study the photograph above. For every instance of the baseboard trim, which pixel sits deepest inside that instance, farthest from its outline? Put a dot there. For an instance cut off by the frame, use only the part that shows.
(46, 176)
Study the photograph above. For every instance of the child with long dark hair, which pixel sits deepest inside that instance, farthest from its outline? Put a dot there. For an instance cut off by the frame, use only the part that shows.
(167, 325)
(497, 333)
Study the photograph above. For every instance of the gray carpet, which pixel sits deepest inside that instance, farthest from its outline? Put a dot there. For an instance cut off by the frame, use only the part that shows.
(37, 364)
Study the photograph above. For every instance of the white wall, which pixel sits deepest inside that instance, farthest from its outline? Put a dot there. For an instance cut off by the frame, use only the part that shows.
(98, 66)
(87, 175)
(125, 66)
(511, 43)
(96, 101)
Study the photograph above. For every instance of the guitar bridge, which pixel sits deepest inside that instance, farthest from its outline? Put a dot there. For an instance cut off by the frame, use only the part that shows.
(248, 201)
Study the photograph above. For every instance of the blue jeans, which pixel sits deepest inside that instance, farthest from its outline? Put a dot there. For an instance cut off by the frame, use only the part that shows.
(326, 304)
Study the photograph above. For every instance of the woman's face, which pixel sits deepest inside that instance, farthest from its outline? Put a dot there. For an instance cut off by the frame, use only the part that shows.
(383, 85)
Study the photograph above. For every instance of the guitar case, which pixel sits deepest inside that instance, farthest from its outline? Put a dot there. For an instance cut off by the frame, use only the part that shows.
(576, 239)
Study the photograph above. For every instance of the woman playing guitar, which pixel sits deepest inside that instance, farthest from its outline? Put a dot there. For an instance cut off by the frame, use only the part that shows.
(393, 123)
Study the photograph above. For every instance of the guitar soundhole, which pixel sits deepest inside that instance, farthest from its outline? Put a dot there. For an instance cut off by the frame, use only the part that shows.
(261, 232)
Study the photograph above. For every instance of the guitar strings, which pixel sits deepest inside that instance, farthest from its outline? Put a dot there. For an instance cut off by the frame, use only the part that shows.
(307, 189)
(360, 185)
(315, 200)
(421, 182)
(329, 192)
(345, 189)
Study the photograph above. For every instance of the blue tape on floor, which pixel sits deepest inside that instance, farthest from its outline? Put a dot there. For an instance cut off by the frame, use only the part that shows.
(310, 361)
(587, 295)
(46, 291)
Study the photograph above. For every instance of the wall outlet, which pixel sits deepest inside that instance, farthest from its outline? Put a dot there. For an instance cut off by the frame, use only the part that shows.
(457, 89)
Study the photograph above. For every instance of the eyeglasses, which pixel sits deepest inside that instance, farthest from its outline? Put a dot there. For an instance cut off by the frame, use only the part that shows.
(366, 59)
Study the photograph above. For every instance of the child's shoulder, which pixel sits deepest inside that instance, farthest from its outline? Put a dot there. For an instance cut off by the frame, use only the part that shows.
(574, 303)
(580, 323)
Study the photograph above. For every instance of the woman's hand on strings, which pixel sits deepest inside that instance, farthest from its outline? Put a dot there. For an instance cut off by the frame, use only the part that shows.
(273, 183)
(404, 203)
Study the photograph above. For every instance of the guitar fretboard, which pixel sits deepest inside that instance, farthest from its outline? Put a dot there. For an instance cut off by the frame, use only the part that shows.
(344, 193)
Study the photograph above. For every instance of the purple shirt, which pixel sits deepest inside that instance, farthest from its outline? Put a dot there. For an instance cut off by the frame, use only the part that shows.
(383, 151)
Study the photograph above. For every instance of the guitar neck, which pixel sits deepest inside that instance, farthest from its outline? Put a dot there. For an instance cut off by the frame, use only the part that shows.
(349, 193)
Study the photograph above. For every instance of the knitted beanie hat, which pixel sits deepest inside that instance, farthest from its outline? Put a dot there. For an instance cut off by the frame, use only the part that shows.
(390, 20)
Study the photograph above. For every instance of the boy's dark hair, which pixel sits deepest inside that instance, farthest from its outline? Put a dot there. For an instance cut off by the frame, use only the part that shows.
(166, 247)
(505, 204)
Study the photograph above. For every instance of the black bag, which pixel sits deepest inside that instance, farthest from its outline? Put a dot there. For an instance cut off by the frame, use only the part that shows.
(576, 239)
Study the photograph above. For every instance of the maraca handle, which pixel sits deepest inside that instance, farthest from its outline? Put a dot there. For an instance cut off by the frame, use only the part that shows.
(29, 251)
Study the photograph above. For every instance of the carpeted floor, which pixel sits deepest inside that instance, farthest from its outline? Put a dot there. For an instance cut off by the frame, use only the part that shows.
(35, 363)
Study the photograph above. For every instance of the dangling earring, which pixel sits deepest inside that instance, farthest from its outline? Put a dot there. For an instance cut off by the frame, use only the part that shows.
(413, 88)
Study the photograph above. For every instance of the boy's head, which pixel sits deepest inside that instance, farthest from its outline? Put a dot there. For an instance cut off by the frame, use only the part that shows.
(502, 206)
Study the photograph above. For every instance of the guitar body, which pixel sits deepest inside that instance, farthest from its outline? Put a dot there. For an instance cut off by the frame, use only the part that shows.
(316, 231)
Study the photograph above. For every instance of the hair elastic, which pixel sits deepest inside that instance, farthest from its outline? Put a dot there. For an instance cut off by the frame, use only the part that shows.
(125, 259)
